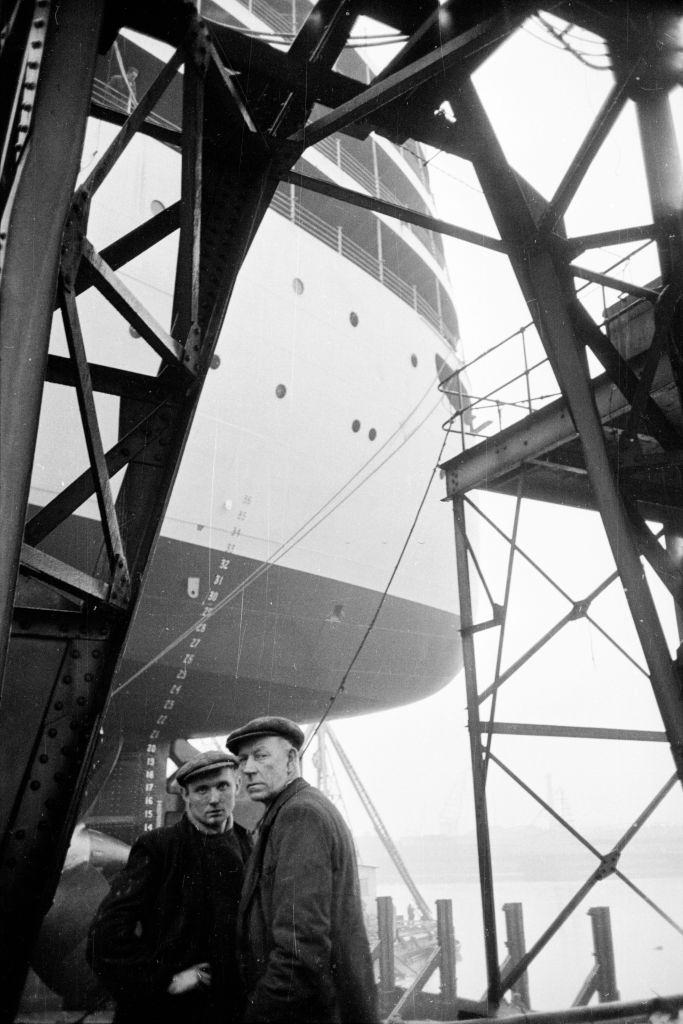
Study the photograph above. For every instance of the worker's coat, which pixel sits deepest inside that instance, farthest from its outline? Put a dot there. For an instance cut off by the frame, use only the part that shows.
(303, 945)
(173, 905)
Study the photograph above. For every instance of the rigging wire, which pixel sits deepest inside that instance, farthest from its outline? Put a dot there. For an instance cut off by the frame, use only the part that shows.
(342, 685)
(312, 523)
(354, 42)
(561, 37)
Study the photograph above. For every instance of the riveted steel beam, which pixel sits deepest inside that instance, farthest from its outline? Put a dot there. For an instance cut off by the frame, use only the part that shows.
(597, 133)
(68, 613)
(29, 274)
(618, 236)
(126, 303)
(494, 989)
(389, 88)
(366, 202)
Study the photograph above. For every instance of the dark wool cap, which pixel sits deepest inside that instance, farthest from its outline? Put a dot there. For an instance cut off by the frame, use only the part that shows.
(209, 761)
(269, 725)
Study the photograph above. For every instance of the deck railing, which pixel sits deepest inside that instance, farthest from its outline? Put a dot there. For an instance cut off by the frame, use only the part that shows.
(513, 378)
(286, 205)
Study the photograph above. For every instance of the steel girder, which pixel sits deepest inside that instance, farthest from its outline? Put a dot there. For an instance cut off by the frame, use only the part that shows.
(540, 258)
(37, 201)
(65, 633)
(543, 283)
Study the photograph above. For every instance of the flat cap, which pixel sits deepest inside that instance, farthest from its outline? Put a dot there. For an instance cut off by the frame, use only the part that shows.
(268, 725)
(209, 761)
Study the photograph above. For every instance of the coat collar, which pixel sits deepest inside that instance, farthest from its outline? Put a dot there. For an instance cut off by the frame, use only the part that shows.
(287, 793)
(253, 873)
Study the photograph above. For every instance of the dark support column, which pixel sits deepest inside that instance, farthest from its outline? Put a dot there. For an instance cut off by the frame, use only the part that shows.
(476, 754)
(33, 221)
(665, 185)
(516, 944)
(674, 547)
(603, 950)
(446, 939)
(386, 930)
(664, 177)
(38, 210)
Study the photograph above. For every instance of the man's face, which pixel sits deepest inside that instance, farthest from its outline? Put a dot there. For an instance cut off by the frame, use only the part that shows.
(266, 763)
(210, 799)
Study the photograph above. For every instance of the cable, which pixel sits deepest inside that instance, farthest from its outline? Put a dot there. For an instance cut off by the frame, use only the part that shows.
(340, 689)
(353, 43)
(564, 44)
(440, 152)
(300, 534)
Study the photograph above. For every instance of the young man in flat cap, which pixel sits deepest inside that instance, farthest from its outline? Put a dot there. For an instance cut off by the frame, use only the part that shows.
(302, 942)
(163, 940)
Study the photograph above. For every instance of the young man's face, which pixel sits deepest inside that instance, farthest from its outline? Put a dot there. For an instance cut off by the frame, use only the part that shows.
(210, 799)
(267, 764)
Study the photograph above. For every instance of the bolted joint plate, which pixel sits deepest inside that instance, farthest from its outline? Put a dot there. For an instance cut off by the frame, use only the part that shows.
(608, 864)
(193, 348)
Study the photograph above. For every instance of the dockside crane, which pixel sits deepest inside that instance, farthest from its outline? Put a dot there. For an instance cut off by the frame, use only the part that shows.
(380, 827)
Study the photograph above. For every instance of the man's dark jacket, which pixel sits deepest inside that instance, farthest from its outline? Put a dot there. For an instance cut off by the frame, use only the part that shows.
(172, 906)
(303, 945)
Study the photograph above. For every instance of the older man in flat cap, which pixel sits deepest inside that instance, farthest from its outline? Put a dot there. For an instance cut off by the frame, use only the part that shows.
(302, 941)
(163, 940)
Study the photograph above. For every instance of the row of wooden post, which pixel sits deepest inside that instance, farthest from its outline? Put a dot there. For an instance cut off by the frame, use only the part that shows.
(601, 980)
(443, 957)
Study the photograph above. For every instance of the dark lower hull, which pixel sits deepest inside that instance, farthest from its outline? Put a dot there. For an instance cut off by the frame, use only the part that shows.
(280, 641)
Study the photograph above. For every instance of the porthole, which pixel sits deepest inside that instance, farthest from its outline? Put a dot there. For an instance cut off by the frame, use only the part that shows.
(353, 319)
(298, 286)
(133, 333)
(215, 362)
(280, 391)
(372, 433)
(156, 206)
(413, 359)
(355, 426)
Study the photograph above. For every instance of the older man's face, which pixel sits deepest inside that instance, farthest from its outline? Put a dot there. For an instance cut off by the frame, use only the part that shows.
(266, 764)
(210, 799)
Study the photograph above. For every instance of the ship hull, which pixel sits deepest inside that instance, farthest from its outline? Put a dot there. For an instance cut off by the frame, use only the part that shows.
(272, 639)
(304, 491)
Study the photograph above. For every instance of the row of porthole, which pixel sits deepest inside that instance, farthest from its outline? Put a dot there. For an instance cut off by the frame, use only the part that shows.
(281, 391)
(297, 285)
(354, 320)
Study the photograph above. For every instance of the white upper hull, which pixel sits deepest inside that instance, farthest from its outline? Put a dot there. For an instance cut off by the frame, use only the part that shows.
(282, 479)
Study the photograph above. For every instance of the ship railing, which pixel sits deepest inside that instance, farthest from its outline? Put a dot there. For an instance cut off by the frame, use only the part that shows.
(111, 96)
(332, 235)
(285, 204)
(513, 377)
(335, 151)
(272, 18)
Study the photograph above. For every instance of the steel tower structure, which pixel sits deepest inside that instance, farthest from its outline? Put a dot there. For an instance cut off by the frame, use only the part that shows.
(247, 116)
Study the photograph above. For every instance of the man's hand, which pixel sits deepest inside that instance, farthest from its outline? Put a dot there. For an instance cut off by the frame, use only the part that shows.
(197, 976)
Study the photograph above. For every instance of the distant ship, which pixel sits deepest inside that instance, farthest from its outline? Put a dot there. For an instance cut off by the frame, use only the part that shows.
(315, 437)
